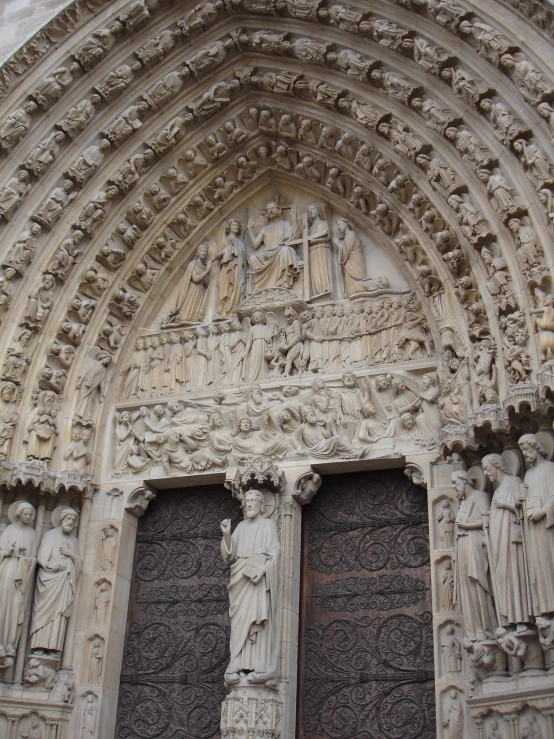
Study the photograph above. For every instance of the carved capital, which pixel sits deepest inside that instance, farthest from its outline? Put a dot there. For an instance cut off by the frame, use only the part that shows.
(139, 500)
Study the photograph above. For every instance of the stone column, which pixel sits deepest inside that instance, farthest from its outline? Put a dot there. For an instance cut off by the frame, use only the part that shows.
(290, 609)
(549, 715)
(69, 646)
(112, 631)
(436, 477)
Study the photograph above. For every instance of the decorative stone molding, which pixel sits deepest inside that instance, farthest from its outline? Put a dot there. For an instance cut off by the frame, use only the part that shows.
(44, 480)
(250, 712)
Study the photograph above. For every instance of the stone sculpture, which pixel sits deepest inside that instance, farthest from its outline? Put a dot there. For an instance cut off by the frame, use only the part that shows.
(59, 568)
(474, 593)
(18, 545)
(253, 551)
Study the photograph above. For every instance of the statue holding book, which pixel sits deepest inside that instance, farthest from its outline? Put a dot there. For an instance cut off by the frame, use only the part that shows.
(253, 552)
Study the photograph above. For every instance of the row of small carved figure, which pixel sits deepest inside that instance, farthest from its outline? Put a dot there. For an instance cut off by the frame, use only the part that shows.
(384, 32)
(327, 338)
(311, 420)
(122, 297)
(530, 80)
(502, 581)
(113, 256)
(94, 284)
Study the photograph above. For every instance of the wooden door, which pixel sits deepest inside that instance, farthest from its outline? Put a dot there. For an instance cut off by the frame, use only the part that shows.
(366, 642)
(177, 640)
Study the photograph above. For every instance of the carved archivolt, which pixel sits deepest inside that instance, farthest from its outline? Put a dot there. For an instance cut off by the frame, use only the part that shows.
(245, 231)
(387, 107)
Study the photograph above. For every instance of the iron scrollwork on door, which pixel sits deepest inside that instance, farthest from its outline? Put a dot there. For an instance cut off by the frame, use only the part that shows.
(177, 642)
(367, 641)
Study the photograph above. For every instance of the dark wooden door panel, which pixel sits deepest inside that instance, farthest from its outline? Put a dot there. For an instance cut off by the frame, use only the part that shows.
(177, 641)
(366, 654)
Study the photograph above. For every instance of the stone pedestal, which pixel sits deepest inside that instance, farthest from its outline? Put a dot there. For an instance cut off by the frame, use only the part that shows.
(249, 712)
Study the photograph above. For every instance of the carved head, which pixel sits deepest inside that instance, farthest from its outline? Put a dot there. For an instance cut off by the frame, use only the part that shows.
(531, 448)
(290, 314)
(245, 425)
(68, 520)
(492, 465)
(203, 250)
(233, 226)
(349, 380)
(407, 421)
(8, 392)
(272, 211)
(254, 503)
(382, 382)
(24, 513)
(258, 317)
(461, 481)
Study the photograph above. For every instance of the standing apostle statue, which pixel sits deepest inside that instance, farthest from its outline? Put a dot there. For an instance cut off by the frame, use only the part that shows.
(253, 553)
(59, 570)
(539, 540)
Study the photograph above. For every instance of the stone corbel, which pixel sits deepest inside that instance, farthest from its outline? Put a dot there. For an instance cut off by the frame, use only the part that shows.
(415, 473)
(306, 487)
(139, 500)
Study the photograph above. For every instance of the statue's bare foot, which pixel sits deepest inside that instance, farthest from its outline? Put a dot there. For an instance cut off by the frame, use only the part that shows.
(256, 678)
(271, 683)
(232, 678)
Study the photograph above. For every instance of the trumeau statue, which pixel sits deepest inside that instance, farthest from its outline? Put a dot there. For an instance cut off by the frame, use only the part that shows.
(253, 551)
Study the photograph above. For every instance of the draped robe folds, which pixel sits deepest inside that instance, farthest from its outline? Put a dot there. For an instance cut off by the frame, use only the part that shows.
(539, 481)
(276, 265)
(16, 574)
(472, 577)
(55, 591)
(353, 267)
(191, 304)
(320, 255)
(506, 556)
(230, 275)
(253, 606)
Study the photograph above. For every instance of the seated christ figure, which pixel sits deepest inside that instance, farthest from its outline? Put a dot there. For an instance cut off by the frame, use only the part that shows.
(274, 264)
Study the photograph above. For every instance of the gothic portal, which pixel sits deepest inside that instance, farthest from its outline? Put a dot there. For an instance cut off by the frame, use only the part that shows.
(276, 370)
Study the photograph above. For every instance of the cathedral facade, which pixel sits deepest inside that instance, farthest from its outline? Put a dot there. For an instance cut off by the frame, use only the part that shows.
(277, 371)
